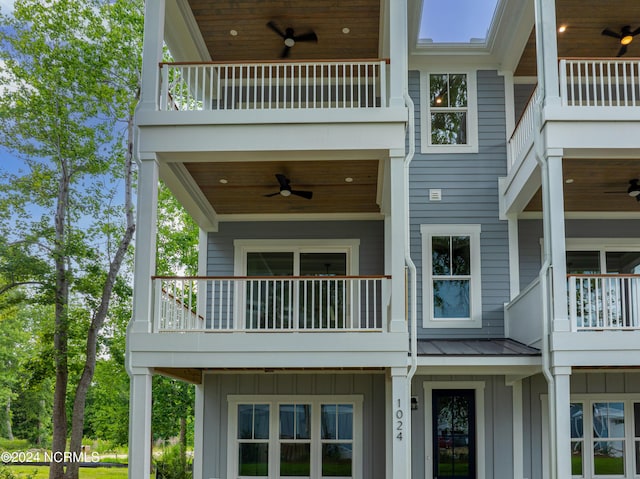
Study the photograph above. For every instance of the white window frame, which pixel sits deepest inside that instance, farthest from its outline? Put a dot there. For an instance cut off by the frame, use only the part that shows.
(274, 402)
(603, 246)
(587, 401)
(475, 291)
(478, 387)
(351, 247)
(472, 114)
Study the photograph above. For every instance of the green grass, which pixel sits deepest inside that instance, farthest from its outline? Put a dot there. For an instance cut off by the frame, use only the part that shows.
(14, 445)
(42, 472)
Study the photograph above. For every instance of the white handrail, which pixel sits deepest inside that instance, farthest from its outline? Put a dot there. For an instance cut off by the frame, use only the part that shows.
(604, 302)
(343, 84)
(603, 82)
(278, 303)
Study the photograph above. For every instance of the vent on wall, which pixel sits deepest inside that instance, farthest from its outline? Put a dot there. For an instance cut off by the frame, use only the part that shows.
(435, 195)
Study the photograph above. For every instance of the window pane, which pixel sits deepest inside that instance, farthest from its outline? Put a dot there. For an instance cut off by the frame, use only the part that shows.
(270, 264)
(451, 299)
(576, 458)
(295, 459)
(608, 419)
(303, 421)
(608, 457)
(345, 421)
(287, 418)
(622, 262)
(336, 460)
(261, 421)
(637, 457)
(461, 252)
(449, 128)
(577, 425)
(583, 262)
(636, 419)
(458, 90)
(440, 255)
(253, 459)
(245, 421)
(439, 94)
(328, 421)
(321, 264)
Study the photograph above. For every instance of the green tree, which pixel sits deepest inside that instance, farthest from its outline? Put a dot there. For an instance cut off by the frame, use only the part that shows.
(70, 78)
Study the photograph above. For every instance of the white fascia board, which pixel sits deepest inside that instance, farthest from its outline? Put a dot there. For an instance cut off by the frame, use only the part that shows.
(478, 364)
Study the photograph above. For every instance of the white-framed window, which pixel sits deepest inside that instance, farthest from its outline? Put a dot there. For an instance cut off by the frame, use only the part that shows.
(448, 102)
(295, 436)
(605, 435)
(451, 278)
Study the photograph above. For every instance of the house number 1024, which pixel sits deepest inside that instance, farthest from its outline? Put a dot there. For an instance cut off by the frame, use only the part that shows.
(399, 429)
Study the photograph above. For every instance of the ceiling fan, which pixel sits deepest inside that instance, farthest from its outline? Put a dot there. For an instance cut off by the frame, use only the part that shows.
(633, 190)
(290, 38)
(625, 36)
(285, 189)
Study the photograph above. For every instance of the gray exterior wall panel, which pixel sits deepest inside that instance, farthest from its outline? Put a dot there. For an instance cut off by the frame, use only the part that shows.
(469, 184)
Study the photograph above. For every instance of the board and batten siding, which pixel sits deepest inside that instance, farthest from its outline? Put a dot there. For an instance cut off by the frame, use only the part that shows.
(220, 250)
(217, 387)
(498, 430)
(530, 234)
(469, 184)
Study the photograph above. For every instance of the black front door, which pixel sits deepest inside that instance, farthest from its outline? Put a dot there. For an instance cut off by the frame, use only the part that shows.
(454, 434)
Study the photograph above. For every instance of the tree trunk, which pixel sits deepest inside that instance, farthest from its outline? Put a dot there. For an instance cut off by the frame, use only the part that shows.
(60, 337)
(80, 399)
(8, 412)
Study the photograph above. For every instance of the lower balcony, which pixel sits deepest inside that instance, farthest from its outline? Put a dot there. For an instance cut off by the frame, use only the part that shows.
(271, 304)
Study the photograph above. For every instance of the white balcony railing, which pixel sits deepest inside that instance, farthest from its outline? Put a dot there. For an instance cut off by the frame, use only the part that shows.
(600, 82)
(275, 303)
(278, 85)
(604, 302)
(523, 134)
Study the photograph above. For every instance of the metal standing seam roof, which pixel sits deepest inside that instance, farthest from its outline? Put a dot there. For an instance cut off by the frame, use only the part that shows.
(474, 347)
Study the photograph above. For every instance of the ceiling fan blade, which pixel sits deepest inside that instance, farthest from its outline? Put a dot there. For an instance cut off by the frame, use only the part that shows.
(304, 194)
(635, 32)
(285, 52)
(306, 37)
(283, 181)
(622, 51)
(611, 33)
(272, 194)
(275, 28)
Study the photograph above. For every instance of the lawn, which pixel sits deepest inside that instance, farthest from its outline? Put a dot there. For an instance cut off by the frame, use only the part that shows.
(42, 472)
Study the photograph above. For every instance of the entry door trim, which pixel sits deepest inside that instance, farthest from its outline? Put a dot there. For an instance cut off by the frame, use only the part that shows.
(478, 387)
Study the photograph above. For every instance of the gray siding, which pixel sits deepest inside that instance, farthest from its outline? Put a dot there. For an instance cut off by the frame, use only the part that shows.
(218, 387)
(498, 434)
(220, 251)
(521, 95)
(530, 233)
(469, 184)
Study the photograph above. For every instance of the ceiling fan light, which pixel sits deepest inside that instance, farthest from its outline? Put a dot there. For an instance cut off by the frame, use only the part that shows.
(634, 189)
(289, 42)
(626, 40)
(285, 192)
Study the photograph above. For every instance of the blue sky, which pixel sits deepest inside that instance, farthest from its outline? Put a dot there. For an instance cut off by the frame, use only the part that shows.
(456, 20)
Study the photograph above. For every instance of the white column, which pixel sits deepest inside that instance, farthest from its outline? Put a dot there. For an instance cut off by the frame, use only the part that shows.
(398, 52)
(145, 254)
(395, 241)
(400, 416)
(517, 427)
(558, 241)
(547, 50)
(154, 13)
(198, 432)
(562, 423)
(514, 256)
(140, 423)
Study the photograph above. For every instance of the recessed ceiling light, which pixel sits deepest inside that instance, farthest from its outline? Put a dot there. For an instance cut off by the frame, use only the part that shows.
(568, 181)
(348, 179)
(233, 33)
(224, 181)
(346, 30)
(562, 29)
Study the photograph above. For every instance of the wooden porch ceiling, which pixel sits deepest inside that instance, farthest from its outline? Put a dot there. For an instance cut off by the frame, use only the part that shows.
(240, 187)
(255, 41)
(585, 20)
(598, 185)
